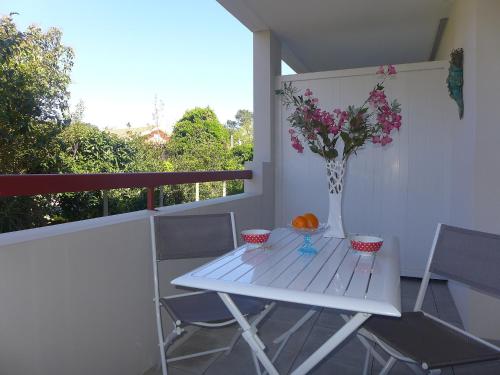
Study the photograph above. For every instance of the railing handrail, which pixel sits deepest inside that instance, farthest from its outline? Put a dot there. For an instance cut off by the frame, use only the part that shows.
(37, 184)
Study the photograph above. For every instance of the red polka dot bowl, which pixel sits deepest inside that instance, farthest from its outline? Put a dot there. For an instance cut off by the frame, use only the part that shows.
(255, 237)
(366, 244)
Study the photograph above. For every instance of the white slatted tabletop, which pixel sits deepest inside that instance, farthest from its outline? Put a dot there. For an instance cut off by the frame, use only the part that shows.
(337, 277)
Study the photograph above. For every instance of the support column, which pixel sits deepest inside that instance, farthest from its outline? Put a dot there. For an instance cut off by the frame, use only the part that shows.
(266, 66)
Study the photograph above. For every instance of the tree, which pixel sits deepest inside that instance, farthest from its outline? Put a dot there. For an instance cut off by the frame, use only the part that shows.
(34, 77)
(158, 107)
(86, 149)
(199, 142)
(244, 132)
(77, 114)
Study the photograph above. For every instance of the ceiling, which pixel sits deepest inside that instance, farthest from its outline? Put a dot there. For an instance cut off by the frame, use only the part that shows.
(320, 35)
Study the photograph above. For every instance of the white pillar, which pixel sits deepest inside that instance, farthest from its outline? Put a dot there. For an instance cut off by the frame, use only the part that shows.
(266, 66)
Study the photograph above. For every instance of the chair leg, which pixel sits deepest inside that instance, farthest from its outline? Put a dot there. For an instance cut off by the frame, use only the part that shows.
(388, 366)
(368, 358)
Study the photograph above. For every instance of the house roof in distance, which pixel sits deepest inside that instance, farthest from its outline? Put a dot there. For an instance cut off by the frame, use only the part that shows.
(151, 132)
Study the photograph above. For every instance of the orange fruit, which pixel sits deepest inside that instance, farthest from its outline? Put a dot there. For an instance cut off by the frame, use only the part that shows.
(312, 220)
(299, 222)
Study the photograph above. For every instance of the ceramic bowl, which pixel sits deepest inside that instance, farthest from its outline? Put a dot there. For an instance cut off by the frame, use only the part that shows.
(368, 244)
(255, 237)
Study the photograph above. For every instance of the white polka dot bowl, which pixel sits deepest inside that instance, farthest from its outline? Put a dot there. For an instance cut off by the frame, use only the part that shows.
(366, 244)
(255, 237)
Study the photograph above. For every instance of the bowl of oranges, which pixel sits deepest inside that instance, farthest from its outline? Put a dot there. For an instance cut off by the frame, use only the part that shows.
(307, 221)
(307, 225)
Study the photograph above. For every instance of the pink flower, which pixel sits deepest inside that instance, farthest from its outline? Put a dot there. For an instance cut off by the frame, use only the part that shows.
(308, 92)
(377, 98)
(376, 139)
(391, 70)
(326, 119)
(314, 100)
(298, 146)
(316, 115)
(385, 140)
(381, 70)
(334, 129)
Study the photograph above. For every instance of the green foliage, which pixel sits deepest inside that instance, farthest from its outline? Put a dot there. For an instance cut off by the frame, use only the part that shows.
(243, 153)
(34, 79)
(199, 143)
(244, 132)
(86, 149)
(39, 135)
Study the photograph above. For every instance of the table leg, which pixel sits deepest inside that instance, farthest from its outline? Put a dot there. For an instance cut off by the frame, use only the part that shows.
(334, 341)
(249, 334)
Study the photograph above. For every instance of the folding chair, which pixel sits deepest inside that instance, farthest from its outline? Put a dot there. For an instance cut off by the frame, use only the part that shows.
(189, 237)
(424, 342)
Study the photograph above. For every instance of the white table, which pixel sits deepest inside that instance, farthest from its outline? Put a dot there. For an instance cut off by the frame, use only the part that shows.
(337, 277)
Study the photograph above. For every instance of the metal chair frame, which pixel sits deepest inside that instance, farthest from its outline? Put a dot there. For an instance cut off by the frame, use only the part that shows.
(394, 355)
(164, 342)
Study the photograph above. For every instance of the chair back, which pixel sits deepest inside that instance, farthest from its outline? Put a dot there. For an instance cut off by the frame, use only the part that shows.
(193, 236)
(468, 256)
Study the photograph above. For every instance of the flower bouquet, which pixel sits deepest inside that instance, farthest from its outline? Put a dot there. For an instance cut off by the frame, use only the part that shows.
(338, 134)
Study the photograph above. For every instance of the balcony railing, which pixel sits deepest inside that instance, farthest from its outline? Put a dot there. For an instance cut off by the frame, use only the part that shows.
(38, 184)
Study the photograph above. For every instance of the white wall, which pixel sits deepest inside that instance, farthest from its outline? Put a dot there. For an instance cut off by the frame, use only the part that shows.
(474, 26)
(77, 298)
(402, 189)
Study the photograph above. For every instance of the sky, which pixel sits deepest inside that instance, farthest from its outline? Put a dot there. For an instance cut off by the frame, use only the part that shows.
(187, 53)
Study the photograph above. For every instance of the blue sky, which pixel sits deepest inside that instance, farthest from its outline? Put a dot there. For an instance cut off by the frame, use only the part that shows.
(188, 53)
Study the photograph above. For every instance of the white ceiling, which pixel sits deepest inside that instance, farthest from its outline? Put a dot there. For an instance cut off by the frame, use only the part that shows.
(320, 35)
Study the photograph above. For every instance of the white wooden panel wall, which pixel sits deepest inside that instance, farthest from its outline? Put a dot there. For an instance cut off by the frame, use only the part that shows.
(402, 189)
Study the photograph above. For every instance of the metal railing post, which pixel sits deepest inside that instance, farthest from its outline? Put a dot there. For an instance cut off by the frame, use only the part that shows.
(160, 200)
(105, 203)
(151, 198)
(197, 192)
(224, 188)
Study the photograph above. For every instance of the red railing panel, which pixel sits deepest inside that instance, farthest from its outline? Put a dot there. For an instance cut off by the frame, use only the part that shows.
(34, 184)
(38, 184)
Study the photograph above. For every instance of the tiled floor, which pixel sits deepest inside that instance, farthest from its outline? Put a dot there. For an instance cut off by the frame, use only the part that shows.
(346, 360)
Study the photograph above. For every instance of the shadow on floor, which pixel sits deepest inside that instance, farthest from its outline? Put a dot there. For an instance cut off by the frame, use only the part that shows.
(346, 360)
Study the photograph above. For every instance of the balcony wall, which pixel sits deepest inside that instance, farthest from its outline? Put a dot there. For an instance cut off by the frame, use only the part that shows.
(77, 298)
(473, 26)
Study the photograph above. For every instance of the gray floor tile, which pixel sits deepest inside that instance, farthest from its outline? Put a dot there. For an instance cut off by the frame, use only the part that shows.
(345, 360)
(202, 340)
(331, 318)
(293, 347)
(348, 359)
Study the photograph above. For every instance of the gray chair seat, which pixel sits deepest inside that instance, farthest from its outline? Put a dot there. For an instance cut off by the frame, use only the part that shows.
(426, 341)
(187, 308)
